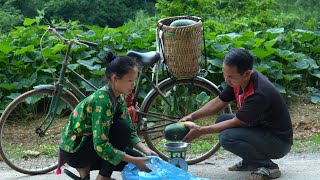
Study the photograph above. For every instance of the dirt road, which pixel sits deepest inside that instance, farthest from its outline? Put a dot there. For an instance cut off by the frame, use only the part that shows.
(304, 166)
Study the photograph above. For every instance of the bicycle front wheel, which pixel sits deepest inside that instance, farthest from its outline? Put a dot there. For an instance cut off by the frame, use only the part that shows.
(183, 96)
(22, 147)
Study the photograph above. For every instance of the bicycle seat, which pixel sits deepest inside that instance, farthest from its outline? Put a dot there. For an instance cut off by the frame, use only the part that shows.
(145, 59)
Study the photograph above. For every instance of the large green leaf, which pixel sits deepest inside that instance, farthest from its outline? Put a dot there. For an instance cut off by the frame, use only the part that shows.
(86, 54)
(306, 63)
(276, 30)
(262, 53)
(51, 70)
(248, 36)
(316, 48)
(8, 87)
(202, 98)
(73, 66)
(34, 99)
(231, 35)
(6, 48)
(269, 44)
(257, 42)
(219, 55)
(29, 21)
(316, 73)
(305, 35)
(57, 48)
(280, 88)
(13, 95)
(315, 94)
(275, 65)
(89, 64)
(286, 54)
(291, 77)
(26, 59)
(315, 98)
(238, 43)
(28, 82)
(276, 74)
(25, 49)
(261, 67)
(220, 47)
(99, 73)
(301, 65)
(216, 62)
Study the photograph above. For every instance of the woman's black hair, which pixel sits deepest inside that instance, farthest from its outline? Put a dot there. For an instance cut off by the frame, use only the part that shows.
(118, 65)
(240, 58)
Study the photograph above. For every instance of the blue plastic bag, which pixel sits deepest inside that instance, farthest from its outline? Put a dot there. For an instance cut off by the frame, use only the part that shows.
(161, 170)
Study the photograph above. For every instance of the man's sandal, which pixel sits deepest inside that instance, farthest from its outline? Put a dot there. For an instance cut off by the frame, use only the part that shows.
(263, 173)
(240, 166)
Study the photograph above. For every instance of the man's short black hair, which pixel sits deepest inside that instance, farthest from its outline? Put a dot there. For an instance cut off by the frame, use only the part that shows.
(240, 58)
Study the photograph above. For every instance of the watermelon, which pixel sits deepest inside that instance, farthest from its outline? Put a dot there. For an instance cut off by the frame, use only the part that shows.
(182, 22)
(176, 131)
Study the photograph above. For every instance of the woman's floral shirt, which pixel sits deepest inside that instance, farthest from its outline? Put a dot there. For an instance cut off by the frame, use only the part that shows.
(92, 118)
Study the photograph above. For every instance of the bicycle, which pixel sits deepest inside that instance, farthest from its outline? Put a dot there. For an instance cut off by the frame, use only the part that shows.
(46, 108)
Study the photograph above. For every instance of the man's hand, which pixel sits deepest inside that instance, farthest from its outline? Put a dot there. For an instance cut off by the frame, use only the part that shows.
(194, 133)
(186, 118)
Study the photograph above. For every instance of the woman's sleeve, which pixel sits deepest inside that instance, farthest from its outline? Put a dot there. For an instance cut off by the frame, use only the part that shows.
(101, 122)
(134, 139)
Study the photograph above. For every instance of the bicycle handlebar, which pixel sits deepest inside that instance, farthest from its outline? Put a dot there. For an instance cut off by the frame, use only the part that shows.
(61, 28)
(54, 30)
(88, 43)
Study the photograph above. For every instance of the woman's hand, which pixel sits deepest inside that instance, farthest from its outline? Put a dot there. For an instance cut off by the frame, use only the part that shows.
(149, 152)
(140, 162)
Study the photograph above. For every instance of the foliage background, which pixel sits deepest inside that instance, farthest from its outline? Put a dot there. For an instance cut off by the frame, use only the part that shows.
(283, 36)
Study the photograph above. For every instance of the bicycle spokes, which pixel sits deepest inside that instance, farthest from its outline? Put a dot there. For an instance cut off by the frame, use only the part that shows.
(184, 96)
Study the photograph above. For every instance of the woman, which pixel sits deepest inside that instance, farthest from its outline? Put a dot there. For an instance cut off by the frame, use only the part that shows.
(99, 133)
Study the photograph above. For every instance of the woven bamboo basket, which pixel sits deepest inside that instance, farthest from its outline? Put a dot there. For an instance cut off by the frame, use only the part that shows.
(181, 46)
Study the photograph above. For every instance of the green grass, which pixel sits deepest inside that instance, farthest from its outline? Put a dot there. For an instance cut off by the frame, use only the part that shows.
(309, 145)
(20, 151)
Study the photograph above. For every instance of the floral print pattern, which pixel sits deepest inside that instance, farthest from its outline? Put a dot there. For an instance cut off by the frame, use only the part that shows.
(92, 118)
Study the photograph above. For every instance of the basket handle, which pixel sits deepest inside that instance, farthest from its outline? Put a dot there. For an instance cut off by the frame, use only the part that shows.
(204, 48)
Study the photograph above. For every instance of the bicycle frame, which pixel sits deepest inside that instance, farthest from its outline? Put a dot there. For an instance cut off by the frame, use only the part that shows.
(141, 124)
(58, 88)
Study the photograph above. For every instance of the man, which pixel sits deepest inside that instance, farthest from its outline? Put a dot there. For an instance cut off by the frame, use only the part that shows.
(261, 129)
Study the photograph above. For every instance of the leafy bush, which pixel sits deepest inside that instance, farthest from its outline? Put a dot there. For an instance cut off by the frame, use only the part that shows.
(225, 16)
(22, 61)
(12, 18)
(289, 58)
(94, 12)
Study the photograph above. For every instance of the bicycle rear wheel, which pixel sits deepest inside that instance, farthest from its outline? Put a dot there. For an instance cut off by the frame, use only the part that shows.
(184, 96)
(22, 148)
